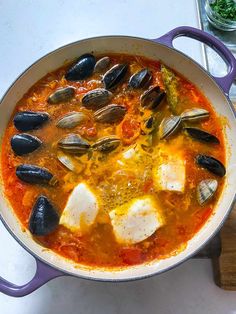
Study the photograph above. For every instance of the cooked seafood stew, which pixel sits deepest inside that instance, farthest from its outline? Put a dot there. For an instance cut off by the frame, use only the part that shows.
(113, 160)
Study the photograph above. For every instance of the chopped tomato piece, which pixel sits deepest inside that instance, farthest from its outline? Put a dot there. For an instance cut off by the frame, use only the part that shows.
(131, 255)
(88, 131)
(130, 130)
(91, 132)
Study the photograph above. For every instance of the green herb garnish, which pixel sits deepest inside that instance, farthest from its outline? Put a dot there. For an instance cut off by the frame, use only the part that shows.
(225, 8)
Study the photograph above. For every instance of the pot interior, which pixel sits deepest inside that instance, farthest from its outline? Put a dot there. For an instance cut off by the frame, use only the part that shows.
(173, 59)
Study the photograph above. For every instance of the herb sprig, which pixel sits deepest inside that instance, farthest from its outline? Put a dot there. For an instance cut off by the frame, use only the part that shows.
(225, 8)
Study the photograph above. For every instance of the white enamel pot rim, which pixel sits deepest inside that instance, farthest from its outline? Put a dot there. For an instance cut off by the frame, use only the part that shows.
(49, 264)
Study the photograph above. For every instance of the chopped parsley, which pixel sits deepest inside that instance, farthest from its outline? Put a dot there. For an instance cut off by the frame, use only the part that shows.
(225, 8)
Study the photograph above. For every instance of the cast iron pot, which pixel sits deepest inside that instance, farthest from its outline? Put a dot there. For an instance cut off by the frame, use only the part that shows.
(51, 265)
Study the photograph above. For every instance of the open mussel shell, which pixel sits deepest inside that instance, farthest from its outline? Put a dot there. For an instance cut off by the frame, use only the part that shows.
(211, 164)
(206, 190)
(30, 120)
(140, 79)
(61, 95)
(82, 69)
(74, 144)
(152, 98)
(71, 120)
(35, 175)
(195, 114)
(110, 114)
(66, 161)
(96, 98)
(70, 162)
(107, 144)
(201, 135)
(44, 218)
(115, 75)
(102, 64)
(24, 143)
(168, 126)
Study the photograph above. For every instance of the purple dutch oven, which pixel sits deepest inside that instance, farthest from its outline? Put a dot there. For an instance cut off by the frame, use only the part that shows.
(216, 89)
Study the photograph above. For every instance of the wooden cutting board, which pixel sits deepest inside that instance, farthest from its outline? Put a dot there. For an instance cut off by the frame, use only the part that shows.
(222, 251)
(224, 265)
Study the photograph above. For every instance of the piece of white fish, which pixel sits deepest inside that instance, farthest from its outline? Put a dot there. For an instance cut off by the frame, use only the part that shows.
(170, 174)
(136, 220)
(81, 209)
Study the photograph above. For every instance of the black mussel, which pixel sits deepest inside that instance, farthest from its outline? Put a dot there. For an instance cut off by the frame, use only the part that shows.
(211, 164)
(102, 64)
(61, 95)
(152, 98)
(82, 69)
(30, 120)
(115, 75)
(110, 114)
(148, 125)
(44, 218)
(140, 79)
(96, 98)
(35, 175)
(201, 135)
(74, 144)
(107, 144)
(24, 143)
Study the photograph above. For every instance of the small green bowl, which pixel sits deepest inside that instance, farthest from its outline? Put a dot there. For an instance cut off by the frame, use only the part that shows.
(217, 20)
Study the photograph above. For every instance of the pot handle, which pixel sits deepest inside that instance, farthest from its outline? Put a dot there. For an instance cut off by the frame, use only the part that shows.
(224, 82)
(43, 274)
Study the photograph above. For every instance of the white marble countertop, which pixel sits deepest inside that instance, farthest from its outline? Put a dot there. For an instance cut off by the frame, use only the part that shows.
(28, 30)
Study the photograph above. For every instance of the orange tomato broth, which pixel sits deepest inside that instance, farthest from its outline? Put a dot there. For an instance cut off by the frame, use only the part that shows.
(182, 214)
